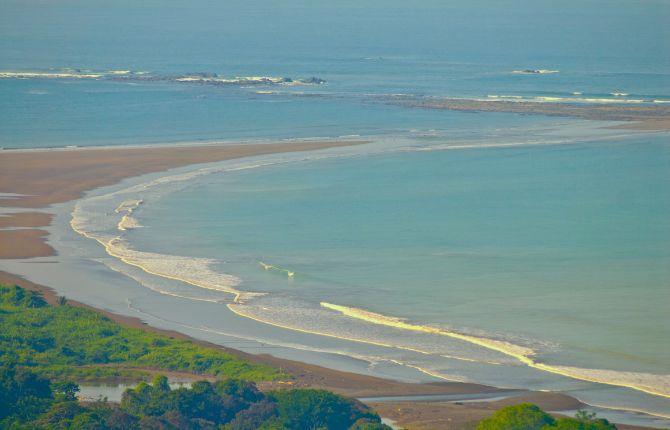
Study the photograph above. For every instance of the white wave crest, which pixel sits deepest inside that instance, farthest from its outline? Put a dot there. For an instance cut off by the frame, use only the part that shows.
(658, 385)
(128, 223)
(49, 75)
(271, 268)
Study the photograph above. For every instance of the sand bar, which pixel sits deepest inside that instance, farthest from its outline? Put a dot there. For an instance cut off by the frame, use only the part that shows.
(39, 178)
(25, 219)
(54, 176)
(640, 116)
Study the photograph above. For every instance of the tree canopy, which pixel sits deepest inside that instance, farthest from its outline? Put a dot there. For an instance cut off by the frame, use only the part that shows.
(527, 416)
(30, 402)
(66, 342)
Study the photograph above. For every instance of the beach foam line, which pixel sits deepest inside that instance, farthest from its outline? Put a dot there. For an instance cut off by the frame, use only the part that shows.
(433, 373)
(428, 372)
(159, 290)
(170, 266)
(237, 308)
(657, 385)
(371, 360)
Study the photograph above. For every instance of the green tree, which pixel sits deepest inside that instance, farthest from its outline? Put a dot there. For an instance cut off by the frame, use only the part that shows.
(254, 416)
(365, 424)
(23, 395)
(60, 415)
(584, 420)
(313, 409)
(518, 417)
(65, 391)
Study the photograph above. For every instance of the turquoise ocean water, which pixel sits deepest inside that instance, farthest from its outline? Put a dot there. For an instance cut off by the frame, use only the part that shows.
(518, 251)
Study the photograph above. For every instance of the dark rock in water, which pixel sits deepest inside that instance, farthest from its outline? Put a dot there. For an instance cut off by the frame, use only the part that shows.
(287, 79)
(314, 80)
(202, 75)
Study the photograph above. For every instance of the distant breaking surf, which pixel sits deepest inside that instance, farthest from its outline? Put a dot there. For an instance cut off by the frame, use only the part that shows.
(133, 76)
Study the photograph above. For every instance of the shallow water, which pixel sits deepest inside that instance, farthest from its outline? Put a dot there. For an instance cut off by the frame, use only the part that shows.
(459, 49)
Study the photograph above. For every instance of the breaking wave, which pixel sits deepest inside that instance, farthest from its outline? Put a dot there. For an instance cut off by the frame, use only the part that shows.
(271, 268)
(132, 76)
(620, 98)
(658, 385)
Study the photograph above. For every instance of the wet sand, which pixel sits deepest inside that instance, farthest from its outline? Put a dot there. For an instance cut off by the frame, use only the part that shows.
(24, 243)
(54, 176)
(39, 178)
(466, 415)
(44, 177)
(25, 219)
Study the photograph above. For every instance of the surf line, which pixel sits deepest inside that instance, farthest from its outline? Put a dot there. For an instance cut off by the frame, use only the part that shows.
(520, 353)
(109, 248)
(238, 312)
(271, 268)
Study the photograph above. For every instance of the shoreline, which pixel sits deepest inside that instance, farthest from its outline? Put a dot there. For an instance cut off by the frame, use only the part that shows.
(37, 179)
(414, 414)
(46, 177)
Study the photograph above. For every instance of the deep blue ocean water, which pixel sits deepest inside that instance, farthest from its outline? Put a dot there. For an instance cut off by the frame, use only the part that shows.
(461, 49)
(543, 238)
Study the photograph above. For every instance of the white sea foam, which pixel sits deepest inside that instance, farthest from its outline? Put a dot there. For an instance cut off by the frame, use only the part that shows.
(270, 268)
(535, 72)
(191, 270)
(49, 75)
(372, 360)
(128, 205)
(654, 384)
(556, 99)
(130, 76)
(293, 314)
(128, 223)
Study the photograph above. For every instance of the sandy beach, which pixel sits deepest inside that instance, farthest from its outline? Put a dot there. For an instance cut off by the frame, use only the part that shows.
(42, 178)
(37, 179)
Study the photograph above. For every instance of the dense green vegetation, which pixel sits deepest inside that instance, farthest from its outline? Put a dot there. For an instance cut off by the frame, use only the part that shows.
(43, 346)
(66, 342)
(530, 417)
(29, 401)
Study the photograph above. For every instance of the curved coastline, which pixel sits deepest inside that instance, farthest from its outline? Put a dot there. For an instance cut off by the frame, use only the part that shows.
(115, 248)
(231, 291)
